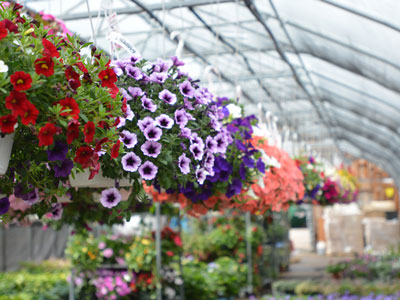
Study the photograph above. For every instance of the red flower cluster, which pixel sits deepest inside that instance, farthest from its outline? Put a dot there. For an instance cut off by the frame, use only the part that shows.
(108, 78)
(19, 104)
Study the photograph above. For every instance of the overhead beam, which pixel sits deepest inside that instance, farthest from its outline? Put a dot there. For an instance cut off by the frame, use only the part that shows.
(363, 14)
(352, 88)
(162, 5)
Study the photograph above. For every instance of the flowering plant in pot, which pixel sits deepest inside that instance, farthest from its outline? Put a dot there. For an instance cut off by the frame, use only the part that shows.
(171, 132)
(62, 107)
(313, 178)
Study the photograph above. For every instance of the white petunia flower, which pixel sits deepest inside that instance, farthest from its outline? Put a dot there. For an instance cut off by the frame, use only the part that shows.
(234, 110)
(3, 67)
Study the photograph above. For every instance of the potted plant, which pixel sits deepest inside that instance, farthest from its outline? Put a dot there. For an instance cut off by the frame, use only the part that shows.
(61, 105)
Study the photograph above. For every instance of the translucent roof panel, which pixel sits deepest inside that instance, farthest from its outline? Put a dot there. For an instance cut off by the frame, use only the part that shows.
(329, 69)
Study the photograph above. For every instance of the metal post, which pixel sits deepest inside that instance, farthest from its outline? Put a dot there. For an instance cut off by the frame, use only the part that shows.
(158, 251)
(182, 287)
(310, 224)
(71, 286)
(249, 254)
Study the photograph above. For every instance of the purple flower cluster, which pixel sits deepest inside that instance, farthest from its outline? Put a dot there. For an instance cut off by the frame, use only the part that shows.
(166, 104)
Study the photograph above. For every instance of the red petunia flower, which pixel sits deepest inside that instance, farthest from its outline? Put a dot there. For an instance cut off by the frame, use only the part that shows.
(11, 26)
(89, 131)
(115, 149)
(7, 123)
(83, 155)
(70, 105)
(82, 67)
(16, 102)
(3, 30)
(103, 124)
(100, 143)
(45, 66)
(49, 48)
(114, 90)
(30, 115)
(108, 78)
(72, 77)
(72, 131)
(46, 134)
(21, 81)
(70, 73)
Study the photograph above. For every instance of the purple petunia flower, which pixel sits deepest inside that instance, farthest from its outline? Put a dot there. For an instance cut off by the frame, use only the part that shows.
(130, 162)
(161, 66)
(176, 62)
(64, 169)
(184, 164)
(151, 148)
(133, 72)
(235, 188)
(110, 197)
(125, 94)
(164, 121)
(129, 139)
(148, 104)
(232, 128)
(197, 151)
(181, 117)
(248, 161)
(31, 197)
(188, 104)
(181, 74)
(260, 166)
(240, 146)
(129, 114)
(167, 97)
(209, 159)
(201, 175)
(4, 205)
(211, 144)
(152, 133)
(59, 151)
(222, 143)
(145, 122)
(158, 77)
(185, 133)
(215, 124)
(56, 211)
(186, 89)
(242, 171)
(148, 170)
(121, 122)
(135, 91)
(195, 139)
(135, 58)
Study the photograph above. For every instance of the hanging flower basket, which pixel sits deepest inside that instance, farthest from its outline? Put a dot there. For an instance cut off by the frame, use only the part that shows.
(99, 181)
(6, 144)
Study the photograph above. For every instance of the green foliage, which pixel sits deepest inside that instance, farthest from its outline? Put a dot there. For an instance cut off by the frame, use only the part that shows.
(37, 282)
(310, 287)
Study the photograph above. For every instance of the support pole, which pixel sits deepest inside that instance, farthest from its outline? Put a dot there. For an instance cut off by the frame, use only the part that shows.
(158, 251)
(249, 254)
(71, 286)
(182, 286)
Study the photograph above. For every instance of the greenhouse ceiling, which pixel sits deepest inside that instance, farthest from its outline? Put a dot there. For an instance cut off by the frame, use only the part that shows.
(328, 69)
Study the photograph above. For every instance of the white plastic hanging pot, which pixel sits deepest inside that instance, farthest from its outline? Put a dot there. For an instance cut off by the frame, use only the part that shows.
(6, 144)
(98, 181)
